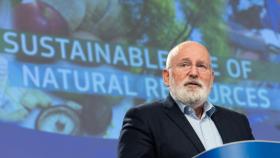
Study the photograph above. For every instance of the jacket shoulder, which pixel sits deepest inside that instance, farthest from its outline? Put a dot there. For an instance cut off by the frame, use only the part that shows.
(227, 113)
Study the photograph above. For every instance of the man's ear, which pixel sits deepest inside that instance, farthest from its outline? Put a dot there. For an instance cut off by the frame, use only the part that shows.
(165, 77)
(213, 76)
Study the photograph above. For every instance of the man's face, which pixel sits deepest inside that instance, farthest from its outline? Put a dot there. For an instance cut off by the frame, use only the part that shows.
(189, 75)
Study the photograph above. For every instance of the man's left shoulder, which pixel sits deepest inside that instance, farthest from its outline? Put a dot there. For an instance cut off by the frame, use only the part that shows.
(236, 121)
(229, 113)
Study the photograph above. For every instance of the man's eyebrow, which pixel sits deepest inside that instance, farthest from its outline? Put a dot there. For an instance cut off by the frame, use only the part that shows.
(201, 62)
(186, 59)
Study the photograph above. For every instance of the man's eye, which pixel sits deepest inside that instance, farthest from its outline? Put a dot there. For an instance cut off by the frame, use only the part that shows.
(202, 66)
(184, 65)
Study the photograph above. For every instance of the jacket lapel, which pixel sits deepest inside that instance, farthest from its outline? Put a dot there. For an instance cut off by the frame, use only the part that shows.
(223, 126)
(173, 112)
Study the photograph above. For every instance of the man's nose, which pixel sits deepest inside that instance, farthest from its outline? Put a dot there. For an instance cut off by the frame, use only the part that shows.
(193, 72)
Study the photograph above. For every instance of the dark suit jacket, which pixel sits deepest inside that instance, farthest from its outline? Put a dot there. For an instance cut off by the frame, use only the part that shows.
(160, 130)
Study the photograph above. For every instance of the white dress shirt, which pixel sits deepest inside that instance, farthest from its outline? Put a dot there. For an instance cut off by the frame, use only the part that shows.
(204, 127)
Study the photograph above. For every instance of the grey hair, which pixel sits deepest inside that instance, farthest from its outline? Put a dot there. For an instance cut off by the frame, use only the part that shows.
(171, 54)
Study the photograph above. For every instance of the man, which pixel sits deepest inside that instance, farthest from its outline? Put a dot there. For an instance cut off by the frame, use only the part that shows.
(185, 124)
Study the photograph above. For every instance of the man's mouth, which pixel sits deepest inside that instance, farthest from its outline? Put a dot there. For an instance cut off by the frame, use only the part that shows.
(193, 83)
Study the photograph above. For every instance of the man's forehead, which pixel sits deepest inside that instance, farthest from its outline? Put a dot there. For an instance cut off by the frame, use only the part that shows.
(187, 53)
(191, 49)
(198, 60)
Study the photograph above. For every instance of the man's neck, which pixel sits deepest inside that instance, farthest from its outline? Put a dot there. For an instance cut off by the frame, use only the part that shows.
(199, 111)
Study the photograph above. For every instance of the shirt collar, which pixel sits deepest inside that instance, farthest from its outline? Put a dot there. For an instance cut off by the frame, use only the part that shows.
(208, 109)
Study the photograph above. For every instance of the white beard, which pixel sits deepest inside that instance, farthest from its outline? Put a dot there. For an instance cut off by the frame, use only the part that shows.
(187, 95)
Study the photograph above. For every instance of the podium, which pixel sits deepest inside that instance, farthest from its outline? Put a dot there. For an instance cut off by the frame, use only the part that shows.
(244, 149)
